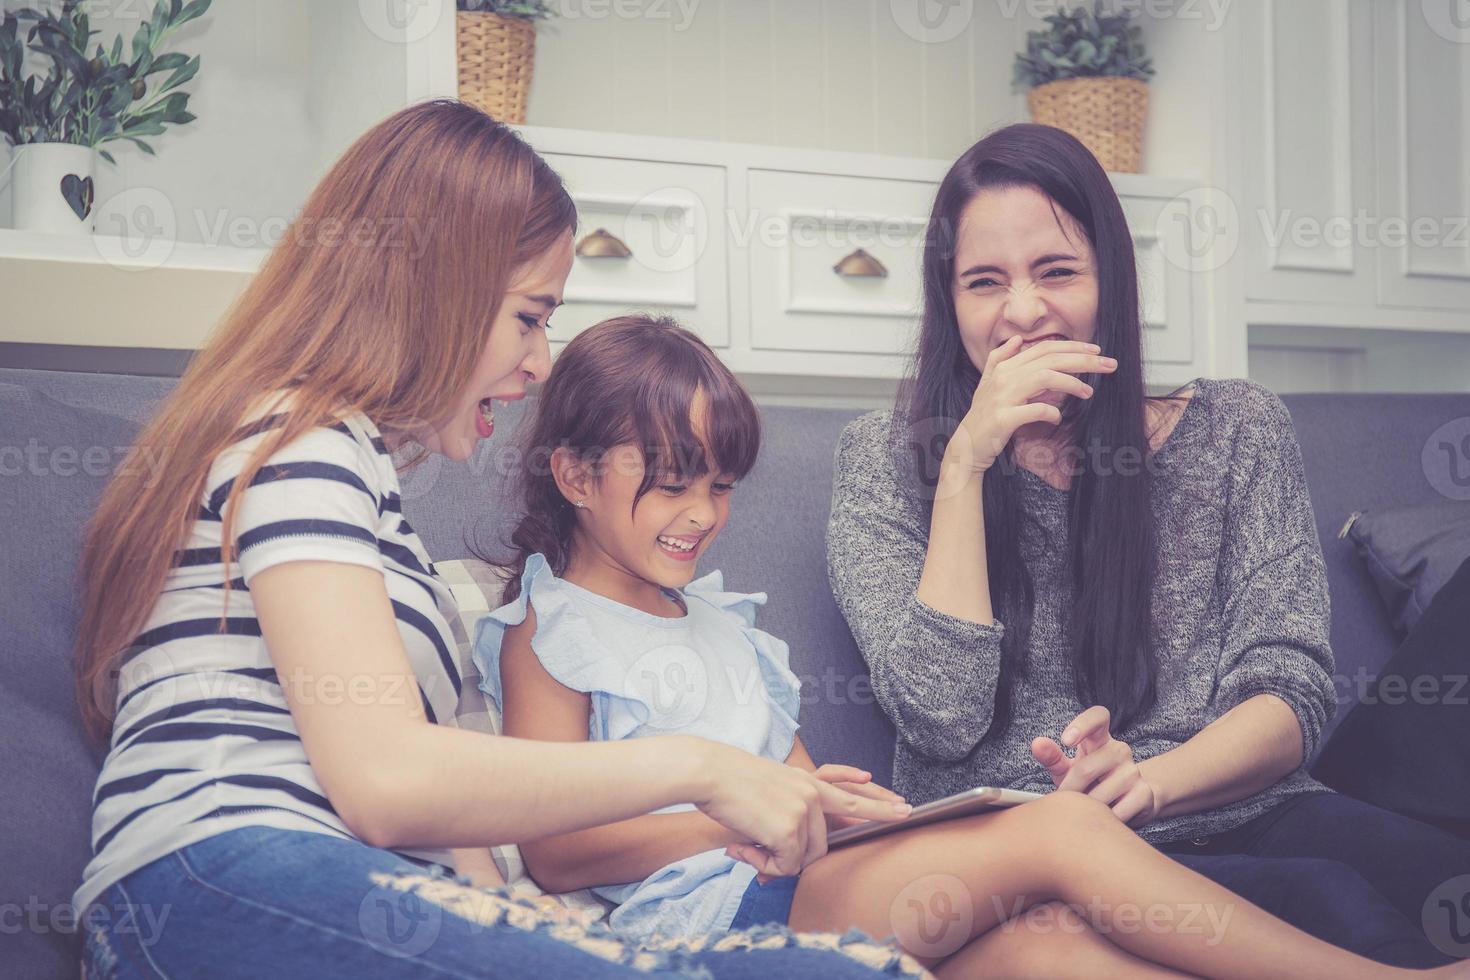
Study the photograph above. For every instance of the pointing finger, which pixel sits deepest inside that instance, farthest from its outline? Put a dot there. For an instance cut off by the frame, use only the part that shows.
(1090, 727)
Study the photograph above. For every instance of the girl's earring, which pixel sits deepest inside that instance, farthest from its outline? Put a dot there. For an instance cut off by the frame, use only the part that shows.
(579, 503)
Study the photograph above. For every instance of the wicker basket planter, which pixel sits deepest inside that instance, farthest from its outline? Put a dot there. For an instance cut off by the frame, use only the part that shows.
(1107, 114)
(496, 54)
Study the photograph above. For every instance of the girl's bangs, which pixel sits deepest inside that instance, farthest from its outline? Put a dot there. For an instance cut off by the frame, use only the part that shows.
(666, 430)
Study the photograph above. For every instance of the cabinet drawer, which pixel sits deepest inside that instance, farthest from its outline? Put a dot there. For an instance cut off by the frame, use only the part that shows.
(670, 218)
(806, 224)
(803, 226)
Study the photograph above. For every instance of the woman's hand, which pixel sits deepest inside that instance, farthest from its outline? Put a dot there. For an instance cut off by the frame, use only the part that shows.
(780, 810)
(858, 782)
(1103, 768)
(1011, 378)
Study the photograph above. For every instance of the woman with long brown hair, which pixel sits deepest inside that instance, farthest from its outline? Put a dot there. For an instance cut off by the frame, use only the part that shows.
(279, 656)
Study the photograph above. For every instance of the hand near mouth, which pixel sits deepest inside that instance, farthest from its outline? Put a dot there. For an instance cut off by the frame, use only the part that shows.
(1015, 375)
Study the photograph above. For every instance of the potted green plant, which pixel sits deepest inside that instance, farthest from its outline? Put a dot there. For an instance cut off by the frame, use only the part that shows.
(496, 52)
(59, 120)
(1087, 73)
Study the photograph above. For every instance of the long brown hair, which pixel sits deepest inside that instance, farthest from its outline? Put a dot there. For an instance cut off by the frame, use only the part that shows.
(379, 299)
(628, 380)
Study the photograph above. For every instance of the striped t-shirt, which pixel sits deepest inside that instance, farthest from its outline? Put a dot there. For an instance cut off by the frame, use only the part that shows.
(203, 741)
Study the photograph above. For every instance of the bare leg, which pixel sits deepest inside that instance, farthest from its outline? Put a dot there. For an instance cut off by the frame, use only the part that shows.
(937, 888)
(1058, 944)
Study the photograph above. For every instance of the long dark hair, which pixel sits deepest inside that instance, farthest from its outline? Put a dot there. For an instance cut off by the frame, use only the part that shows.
(1110, 520)
(629, 380)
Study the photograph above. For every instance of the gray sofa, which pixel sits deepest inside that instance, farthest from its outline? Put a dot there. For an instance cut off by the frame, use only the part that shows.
(60, 433)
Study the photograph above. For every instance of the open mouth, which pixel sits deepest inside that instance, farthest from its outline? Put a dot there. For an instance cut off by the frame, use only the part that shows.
(679, 547)
(485, 421)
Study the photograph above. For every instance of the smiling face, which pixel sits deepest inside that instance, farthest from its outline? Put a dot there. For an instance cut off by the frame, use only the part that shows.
(515, 355)
(1023, 267)
(627, 550)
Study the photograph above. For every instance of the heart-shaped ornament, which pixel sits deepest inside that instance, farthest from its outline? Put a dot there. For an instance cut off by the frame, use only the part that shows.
(79, 193)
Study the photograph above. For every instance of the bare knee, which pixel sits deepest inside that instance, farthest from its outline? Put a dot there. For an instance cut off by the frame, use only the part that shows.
(1070, 817)
(1071, 806)
(1063, 827)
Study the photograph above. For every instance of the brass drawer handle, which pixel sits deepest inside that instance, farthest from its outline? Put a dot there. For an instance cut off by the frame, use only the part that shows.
(603, 244)
(860, 264)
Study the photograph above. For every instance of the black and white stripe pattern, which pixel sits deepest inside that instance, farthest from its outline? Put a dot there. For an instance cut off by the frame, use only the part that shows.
(203, 739)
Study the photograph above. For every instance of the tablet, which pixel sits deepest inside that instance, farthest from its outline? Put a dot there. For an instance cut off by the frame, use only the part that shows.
(971, 801)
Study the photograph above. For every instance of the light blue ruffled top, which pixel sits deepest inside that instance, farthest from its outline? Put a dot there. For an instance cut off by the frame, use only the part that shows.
(709, 673)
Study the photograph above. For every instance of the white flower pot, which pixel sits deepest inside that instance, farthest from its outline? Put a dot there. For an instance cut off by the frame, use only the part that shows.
(53, 189)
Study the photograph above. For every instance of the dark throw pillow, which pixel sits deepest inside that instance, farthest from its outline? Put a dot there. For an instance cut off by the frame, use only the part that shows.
(1411, 552)
(1406, 745)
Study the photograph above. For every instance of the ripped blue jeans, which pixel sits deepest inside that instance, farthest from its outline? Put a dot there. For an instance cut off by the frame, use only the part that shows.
(262, 902)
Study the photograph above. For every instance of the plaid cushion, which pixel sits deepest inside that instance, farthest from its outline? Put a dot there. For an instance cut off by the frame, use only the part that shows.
(476, 586)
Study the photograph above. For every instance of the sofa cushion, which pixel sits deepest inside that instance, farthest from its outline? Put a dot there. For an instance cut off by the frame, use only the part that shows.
(1362, 452)
(54, 461)
(1411, 552)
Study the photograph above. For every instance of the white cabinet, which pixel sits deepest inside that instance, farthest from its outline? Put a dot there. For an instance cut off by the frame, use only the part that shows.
(1422, 71)
(1353, 197)
(670, 217)
(761, 250)
(1307, 138)
(793, 264)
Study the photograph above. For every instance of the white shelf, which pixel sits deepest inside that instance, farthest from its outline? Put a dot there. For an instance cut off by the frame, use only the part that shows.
(106, 290)
(125, 254)
(102, 291)
(1355, 317)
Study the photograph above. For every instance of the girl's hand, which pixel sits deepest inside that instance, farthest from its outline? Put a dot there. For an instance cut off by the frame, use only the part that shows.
(1011, 378)
(856, 781)
(779, 810)
(1103, 769)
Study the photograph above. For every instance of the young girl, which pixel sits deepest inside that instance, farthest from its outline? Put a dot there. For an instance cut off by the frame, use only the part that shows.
(607, 635)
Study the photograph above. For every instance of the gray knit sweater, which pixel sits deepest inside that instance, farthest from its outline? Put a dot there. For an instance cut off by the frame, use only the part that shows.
(1239, 606)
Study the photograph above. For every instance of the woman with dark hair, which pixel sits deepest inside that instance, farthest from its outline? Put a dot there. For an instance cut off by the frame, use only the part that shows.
(1029, 533)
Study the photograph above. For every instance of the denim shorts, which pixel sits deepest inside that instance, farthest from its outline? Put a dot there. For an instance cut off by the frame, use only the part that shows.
(764, 905)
